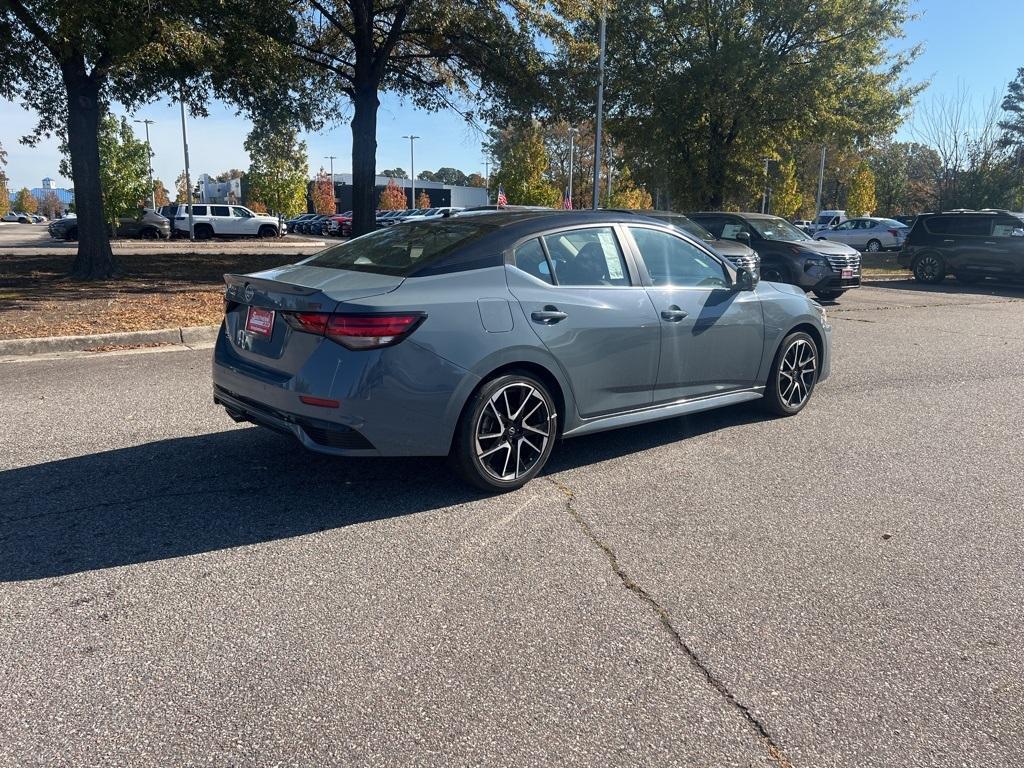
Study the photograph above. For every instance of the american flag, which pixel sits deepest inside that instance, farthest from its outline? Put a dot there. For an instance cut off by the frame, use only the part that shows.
(502, 200)
(567, 201)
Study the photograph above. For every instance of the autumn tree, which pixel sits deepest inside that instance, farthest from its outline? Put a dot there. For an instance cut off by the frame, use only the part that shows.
(422, 200)
(322, 194)
(787, 199)
(392, 198)
(860, 201)
(24, 202)
(522, 162)
(160, 194)
(50, 206)
(626, 194)
(279, 170)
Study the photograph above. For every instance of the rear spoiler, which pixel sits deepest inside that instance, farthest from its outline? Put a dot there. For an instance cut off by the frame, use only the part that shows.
(237, 283)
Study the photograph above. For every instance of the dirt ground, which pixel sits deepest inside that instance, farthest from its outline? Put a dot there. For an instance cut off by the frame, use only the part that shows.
(154, 291)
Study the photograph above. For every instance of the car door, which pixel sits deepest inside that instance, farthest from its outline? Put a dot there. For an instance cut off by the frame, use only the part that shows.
(223, 222)
(844, 233)
(243, 220)
(712, 336)
(1005, 246)
(587, 306)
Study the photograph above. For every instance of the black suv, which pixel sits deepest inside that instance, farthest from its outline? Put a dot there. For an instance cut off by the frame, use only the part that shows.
(972, 245)
(788, 254)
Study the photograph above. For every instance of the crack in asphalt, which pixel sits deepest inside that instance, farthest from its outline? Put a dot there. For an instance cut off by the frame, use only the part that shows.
(772, 747)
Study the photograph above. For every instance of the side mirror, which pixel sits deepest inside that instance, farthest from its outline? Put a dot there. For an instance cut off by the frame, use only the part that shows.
(743, 237)
(745, 280)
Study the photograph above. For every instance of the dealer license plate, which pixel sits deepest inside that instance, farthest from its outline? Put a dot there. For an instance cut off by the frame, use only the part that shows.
(260, 321)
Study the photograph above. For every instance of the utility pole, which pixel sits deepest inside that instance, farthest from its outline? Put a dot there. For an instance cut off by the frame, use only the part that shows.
(821, 181)
(600, 113)
(188, 179)
(487, 177)
(609, 198)
(412, 167)
(149, 151)
(334, 197)
(572, 157)
(764, 196)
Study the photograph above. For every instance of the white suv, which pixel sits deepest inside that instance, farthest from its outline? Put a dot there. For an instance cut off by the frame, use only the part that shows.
(225, 221)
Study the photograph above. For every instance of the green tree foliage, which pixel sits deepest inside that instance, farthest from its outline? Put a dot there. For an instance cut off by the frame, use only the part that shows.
(476, 180)
(24, 202)
(522, 165)
(435, 52)
(124, 168)
(68, 60)
(860, 201)
(392, 198)
(396, 173)
(279, 170)
(451, 176)
(425, 176)
(233, 173)
(322, 194)
(698, 93)
(906, 174)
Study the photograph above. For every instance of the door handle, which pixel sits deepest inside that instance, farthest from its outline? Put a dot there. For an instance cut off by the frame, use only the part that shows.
(549, 315)
(673, 314)
(949, 241)
(991, 242)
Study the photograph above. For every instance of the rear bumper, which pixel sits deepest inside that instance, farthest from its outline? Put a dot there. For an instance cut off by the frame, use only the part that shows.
(398, 401)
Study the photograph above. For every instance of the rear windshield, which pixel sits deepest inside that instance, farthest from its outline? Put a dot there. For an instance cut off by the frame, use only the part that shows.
(403, 248)
(684, 223)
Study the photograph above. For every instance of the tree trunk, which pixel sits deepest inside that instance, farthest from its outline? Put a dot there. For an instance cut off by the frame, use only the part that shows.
(364, 160)
(94, 261)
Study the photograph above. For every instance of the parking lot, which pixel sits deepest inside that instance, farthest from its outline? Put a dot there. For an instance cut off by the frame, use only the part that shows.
(843, 588)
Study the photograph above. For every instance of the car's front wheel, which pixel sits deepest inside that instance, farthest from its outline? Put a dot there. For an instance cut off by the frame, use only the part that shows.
(793, 375)
(267, 231)
(829, 295)
(929, 268)
(506, 433)
(772, 273)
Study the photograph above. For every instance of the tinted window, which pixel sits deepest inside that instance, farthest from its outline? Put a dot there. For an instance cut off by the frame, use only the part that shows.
(714, 224)
(1006, 227)
(671, 260)
(972, 225)
(587, 257)
(531, 259)
(938, 225)
(219, 210)
(402, 250)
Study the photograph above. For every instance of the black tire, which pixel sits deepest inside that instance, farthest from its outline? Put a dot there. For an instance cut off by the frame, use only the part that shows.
(779, 397)
(483, 446)
(203, 231)
(149, 233)
(267, 231)
(929, 268)
(877, 246)
(829, 295)
(72, 234)
(772, 273)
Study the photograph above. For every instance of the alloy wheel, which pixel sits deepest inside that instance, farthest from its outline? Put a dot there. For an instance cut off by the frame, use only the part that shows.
(796, 373)
(928, 269)
(512, 431)
(874, 246)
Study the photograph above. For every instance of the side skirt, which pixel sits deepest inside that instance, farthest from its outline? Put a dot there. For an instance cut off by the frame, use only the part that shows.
(666, 411)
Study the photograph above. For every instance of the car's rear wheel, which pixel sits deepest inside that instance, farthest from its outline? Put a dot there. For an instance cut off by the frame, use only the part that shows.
(829, 295)
(149, 234)
(203, 231)
(72, 234)
(929, 268)
(506, 433)
(873, 246)
(793, 376)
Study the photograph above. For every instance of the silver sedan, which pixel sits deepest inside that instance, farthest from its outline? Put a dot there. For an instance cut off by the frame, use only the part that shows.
(867, 234)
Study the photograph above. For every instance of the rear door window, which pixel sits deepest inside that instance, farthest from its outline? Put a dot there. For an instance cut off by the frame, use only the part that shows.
(531, 259)
(219, 210)
(975, 226)
(938, 225)
(587, 257)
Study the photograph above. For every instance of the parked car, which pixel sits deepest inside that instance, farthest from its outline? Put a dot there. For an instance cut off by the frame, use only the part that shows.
(805, 225)
(867, 234)
(486, 338)
(387, 218)
(434, 213)
(789, 255)
(224, 221)
(293, 223)
(340, 225)
(17, 217)
(971, 245)
(739, 254)
(147, 224)
(826, 219)
(907, 221)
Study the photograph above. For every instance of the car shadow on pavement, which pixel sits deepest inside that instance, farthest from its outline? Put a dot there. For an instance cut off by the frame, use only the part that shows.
(953, 287)
(189, 495)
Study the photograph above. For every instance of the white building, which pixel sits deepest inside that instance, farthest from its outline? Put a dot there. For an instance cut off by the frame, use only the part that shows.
(213, 191)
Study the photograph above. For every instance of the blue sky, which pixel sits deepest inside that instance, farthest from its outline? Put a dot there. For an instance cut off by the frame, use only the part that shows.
(970, 45)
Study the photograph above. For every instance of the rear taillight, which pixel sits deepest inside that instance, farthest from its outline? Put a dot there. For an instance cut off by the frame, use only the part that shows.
(357, 331)
(894, 232)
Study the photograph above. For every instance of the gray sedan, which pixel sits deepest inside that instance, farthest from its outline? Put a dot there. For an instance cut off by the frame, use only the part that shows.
(487, 336)
(867, 234)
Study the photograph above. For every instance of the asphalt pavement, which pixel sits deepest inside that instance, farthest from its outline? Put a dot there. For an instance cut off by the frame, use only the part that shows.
(842, 588)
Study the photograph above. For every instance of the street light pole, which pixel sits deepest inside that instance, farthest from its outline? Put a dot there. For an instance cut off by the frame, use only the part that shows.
(149, 152)
(600, 113)
(572, 153)
(764, 196)
(188, 179)
(821, 181)
(412, 167)
(333, 198)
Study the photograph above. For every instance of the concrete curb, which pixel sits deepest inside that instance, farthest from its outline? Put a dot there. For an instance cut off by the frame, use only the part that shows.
(187, 336)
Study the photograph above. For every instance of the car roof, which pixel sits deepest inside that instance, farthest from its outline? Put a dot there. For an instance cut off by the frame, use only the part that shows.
(741, 214)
